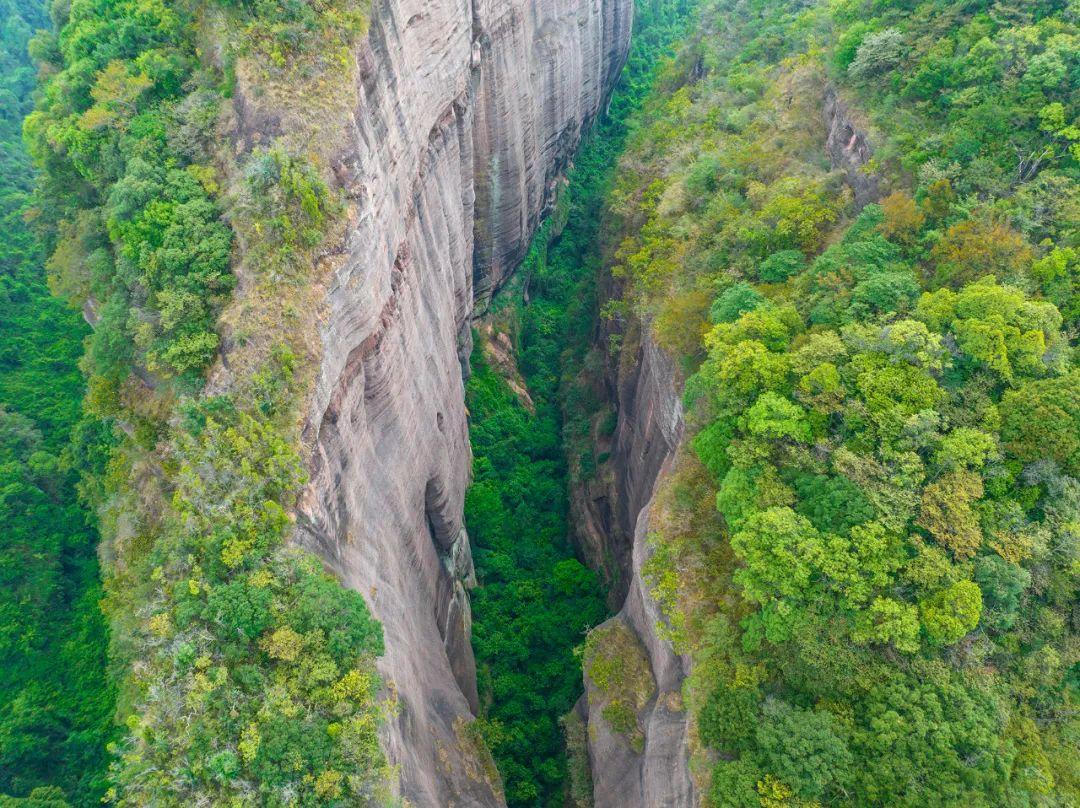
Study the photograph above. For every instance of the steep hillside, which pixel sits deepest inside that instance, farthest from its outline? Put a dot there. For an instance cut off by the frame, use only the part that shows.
(277, 217)
(847, 231)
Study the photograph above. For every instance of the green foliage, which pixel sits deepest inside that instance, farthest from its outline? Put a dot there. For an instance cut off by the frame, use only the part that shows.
(57, 708)
(734, 785)
(1002, 585)
(579, 777)
(130, 213)
(775, 545)
(288, 204)
(616, 665)
(733, 302)
(952, 612)
(246, 673)
(1039, 420)
(535, 600)
(889, 621)
(260, 667)
(886, 401)
(1058, 273)
(803, 748)
(55, 700)
(43, 797)
(728, 717)
(285, 31)
(780, 266)
(876, 53)
(125, 131)
(998, 327)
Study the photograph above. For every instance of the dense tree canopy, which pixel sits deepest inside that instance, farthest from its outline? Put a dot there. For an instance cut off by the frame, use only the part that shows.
(883, 399)
(55, 700)
(245, 674)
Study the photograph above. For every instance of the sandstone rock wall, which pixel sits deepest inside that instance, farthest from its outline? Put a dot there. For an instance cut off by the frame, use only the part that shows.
(546, 66)
(649, 432)
(464, 113)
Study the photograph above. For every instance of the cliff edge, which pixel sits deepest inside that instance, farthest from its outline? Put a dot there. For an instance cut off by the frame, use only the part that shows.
(464, 115)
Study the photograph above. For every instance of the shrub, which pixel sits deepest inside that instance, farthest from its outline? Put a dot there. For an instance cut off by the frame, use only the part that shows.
(878, 52)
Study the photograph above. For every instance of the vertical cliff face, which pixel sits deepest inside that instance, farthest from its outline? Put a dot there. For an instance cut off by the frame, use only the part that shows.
(545, 68)
(650, 428)
(848, 148)
(465, 112)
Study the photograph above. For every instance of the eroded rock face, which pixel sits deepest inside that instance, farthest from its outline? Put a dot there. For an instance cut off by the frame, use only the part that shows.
(848, 148)
(546, 66)
(648, 435)
(464, 114)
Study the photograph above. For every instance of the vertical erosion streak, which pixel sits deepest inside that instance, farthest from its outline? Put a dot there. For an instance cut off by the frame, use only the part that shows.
(447, 158)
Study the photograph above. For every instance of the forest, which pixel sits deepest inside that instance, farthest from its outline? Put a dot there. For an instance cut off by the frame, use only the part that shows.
(235, 664)
(56, 700)
(871, 545)
(852, 224)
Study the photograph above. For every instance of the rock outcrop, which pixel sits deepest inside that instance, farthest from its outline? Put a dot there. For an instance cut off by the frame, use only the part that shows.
(848, 148)
(655, 770)
(465, 112)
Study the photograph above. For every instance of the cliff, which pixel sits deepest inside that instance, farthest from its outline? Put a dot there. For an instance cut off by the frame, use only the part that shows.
(650, 765)
(465, 112)
(848, 148)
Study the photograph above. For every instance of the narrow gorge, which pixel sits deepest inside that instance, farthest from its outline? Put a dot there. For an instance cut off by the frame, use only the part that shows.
(540, 403)
(464, 124)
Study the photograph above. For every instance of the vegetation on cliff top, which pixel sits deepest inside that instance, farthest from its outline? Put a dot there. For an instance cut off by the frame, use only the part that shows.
(883, 403)
(246, 673)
